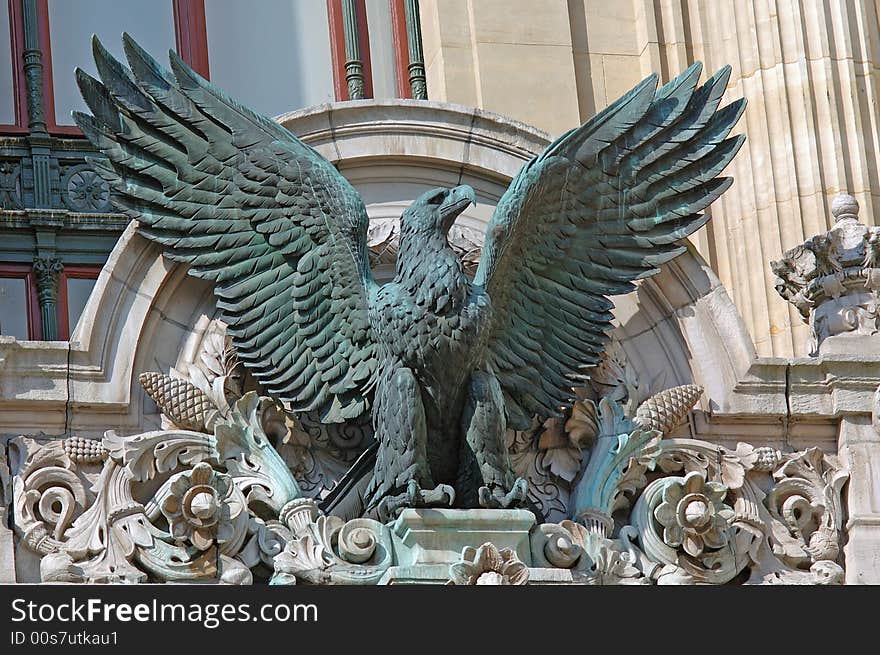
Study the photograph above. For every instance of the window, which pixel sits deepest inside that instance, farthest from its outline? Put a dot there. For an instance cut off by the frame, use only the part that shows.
(71, 25)
(19, 308)
(273, 55)
(13, 107)
(75, 285)
(379, 34)
(7, 70)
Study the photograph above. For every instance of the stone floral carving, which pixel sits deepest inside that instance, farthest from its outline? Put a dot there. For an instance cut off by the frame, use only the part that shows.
(202, 507)
(552, 456)
(214, 492)
(487, 565)
(620, 500)
(693, 514)
(49, 491)
(833, 278)
(807, 505)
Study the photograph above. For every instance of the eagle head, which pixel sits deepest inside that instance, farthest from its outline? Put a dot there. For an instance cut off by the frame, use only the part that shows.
(436, 210)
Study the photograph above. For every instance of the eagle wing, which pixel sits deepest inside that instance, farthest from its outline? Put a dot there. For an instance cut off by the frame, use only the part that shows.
(601, 207)
(243, 202)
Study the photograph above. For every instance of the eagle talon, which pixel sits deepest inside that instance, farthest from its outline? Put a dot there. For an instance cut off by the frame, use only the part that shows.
(497, 498)
(390, 507)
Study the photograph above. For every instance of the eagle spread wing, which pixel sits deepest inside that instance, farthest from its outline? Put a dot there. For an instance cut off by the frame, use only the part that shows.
(275, 227)
(604, 205)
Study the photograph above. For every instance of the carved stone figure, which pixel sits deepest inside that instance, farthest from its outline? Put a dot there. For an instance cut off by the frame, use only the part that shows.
(833, 280)
(446, 364)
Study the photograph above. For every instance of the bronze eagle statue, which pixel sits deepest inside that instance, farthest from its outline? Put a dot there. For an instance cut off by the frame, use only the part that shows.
(445, 364)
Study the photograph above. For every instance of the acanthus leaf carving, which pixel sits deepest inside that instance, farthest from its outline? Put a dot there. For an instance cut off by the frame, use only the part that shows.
(610, 481)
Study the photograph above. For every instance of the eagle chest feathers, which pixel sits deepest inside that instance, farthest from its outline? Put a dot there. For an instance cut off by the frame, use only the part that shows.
(430, 319)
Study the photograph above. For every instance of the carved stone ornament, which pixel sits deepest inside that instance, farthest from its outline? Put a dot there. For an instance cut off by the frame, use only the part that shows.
(83, 190)
(638, 506)
(438, 428)
(327, 550)
(833, 279)
(10, 185)
(46, 272)
(487, 565)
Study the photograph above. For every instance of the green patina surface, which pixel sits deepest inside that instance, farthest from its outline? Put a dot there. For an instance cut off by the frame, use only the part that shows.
(445, 364)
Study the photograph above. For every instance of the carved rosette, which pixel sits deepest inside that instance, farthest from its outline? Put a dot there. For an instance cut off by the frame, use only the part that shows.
(204, 507)
(693, 514)
(83, 190)
(833, 278)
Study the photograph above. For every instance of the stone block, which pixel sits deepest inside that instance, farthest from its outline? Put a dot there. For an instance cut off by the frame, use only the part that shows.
(437, 536)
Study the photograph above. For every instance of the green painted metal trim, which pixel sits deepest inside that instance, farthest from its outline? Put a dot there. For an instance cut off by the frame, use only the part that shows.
(417, 79)
(354, 68)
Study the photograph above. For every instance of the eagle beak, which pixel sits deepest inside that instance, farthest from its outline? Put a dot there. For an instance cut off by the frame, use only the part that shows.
(460, 198)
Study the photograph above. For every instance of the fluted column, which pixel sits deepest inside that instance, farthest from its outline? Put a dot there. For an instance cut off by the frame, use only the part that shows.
(38, 138)
(809, 71)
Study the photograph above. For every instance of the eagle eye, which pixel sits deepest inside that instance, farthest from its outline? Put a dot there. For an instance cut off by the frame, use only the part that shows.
(437, 198)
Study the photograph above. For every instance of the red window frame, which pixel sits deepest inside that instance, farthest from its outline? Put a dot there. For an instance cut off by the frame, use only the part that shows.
(16, 44)
(71, 272)
(337, 47)
(191, 39)
(26, 272)
(191, 32)
(401, 48)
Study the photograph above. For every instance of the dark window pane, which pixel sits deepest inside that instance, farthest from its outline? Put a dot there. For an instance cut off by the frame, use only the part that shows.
(13, 307)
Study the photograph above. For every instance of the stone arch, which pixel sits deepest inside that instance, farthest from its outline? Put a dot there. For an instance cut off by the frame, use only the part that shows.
(147, 314)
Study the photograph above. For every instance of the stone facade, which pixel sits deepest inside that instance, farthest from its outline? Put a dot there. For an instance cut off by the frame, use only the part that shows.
(137, 452)
(808, 69)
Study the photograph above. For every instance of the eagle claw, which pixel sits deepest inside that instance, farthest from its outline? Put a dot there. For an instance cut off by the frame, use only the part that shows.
(498, 498)
(443, 495)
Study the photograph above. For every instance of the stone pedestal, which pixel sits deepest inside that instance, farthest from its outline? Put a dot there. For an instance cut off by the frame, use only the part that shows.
(833, 279)
(7, 544)
(860, 452)
(427, 541)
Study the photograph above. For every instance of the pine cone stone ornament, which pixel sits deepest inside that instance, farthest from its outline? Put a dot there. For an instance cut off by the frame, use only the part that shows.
(666, 410)
(181, 401)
